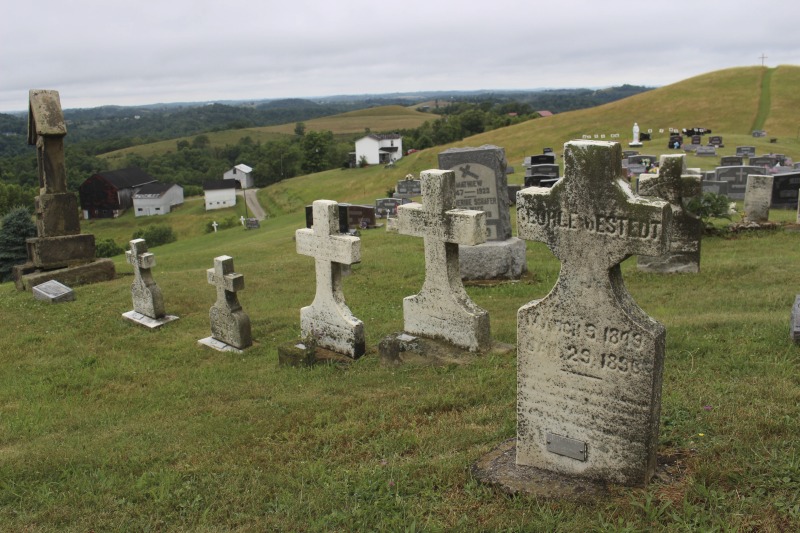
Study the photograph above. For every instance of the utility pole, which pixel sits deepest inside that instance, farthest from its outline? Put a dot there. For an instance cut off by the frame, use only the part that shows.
(762, 58)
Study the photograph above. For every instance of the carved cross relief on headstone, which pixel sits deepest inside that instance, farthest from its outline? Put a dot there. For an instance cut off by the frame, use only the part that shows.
(589, 359)
(443, 309)
(146, 294)
(675, 185)
(229, 323)
(328, 320)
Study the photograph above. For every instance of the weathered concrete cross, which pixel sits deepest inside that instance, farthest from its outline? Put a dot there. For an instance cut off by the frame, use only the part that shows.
(590, 360)
(328, 320)
(146, 294)
(443, 309)
(229, 323)
(675, 185)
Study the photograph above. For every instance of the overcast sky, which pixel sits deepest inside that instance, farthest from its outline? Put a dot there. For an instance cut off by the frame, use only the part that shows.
(100, 52)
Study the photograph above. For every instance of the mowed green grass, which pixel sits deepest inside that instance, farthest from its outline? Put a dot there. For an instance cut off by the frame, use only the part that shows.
(107, 427)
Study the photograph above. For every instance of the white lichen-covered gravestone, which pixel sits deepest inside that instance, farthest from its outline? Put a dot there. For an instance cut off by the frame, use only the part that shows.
(676, 185)
(757, 198)
(590, 360)
(328, 321)
(148, 302)
(443, 309)
(230, 325)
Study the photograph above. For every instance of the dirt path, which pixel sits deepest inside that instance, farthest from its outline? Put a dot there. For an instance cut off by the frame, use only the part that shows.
(252, 203)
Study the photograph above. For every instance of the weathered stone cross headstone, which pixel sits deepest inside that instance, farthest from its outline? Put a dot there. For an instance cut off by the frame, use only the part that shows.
(590, 360)
(214, 225)
(148, 302)
(242, 219)
(328, 320)
(443, 309)
(230, 326)
(675, 185)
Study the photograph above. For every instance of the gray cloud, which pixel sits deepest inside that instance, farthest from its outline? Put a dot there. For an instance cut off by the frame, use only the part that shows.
(114, 52)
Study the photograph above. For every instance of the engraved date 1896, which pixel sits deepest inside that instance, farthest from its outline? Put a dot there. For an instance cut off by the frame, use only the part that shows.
(604, 361)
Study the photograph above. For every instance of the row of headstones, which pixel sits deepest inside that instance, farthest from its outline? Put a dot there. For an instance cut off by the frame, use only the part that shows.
(732, 182)
(590, 360)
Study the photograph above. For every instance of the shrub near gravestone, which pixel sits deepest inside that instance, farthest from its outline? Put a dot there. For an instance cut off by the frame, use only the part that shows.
(108, 248)
(16, 227)
(708, 206)
(156, 235)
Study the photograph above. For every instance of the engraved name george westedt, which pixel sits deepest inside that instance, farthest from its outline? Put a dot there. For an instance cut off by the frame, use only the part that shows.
(590, 360)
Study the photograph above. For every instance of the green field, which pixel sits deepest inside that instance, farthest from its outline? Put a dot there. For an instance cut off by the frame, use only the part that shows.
(107, 427)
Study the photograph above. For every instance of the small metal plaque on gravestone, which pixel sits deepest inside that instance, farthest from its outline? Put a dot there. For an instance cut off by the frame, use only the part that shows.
(785, 189)
(481, 184)
(706, 151)
(731, 160)
(251, 223)
(408, 188)
(746, 151)
(53, 291)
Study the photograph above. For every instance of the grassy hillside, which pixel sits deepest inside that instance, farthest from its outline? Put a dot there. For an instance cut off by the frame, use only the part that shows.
(378, 119)
(107, 427)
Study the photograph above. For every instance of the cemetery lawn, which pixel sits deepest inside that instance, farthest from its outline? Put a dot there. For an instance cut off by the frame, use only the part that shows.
(105, 426)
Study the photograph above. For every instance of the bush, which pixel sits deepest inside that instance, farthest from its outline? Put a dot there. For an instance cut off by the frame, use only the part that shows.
(17, 226)
(156, 235)
(108, 248)
(708, 206)
(226, 223)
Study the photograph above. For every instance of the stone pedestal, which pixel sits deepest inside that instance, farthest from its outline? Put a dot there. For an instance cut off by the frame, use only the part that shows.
(27, 275)
(493, 260)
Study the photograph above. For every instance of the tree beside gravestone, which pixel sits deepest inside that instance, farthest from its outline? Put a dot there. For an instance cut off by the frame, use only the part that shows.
(16, 227)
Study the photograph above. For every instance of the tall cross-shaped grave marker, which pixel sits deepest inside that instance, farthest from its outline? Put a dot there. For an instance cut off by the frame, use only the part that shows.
(328, 320)
(443, 309)
(675, 185)
(589, 359)
(230, 326)
(148, 302)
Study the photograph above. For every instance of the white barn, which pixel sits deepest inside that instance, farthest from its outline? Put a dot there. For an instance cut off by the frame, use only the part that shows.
(379, 149)
(242, 174)
(157, 199)
(220, 194)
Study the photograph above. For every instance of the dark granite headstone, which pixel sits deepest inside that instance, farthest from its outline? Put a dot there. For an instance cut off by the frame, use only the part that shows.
(763, 161)
(746, 151)
(716, 140)
(408, 188)
(251, 223)
(697, 139)
(481, 184)
(543, 159)
(716, 187)
(731, 161)
(785, 190)
(737, 179)
(384, 207)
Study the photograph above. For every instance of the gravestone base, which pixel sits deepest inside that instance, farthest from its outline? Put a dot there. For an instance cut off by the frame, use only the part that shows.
(218, 345)
(300, 355)
(402, 348)
(493, 260)
(146, 321)
(499, 469)
(794, 327)
(670, 263)
(635, 145)
(27, 275)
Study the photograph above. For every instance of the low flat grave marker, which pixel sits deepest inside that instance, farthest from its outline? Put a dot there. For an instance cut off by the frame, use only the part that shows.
(148, 301)
(590, 361)
(328, 321)
(230, 325)
(53, 291)
(443, 309)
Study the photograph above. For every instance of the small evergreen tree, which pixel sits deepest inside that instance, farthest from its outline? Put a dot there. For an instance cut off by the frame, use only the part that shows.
(17, 226)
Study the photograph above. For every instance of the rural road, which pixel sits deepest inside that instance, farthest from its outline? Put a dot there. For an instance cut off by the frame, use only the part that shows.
(252, 203)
